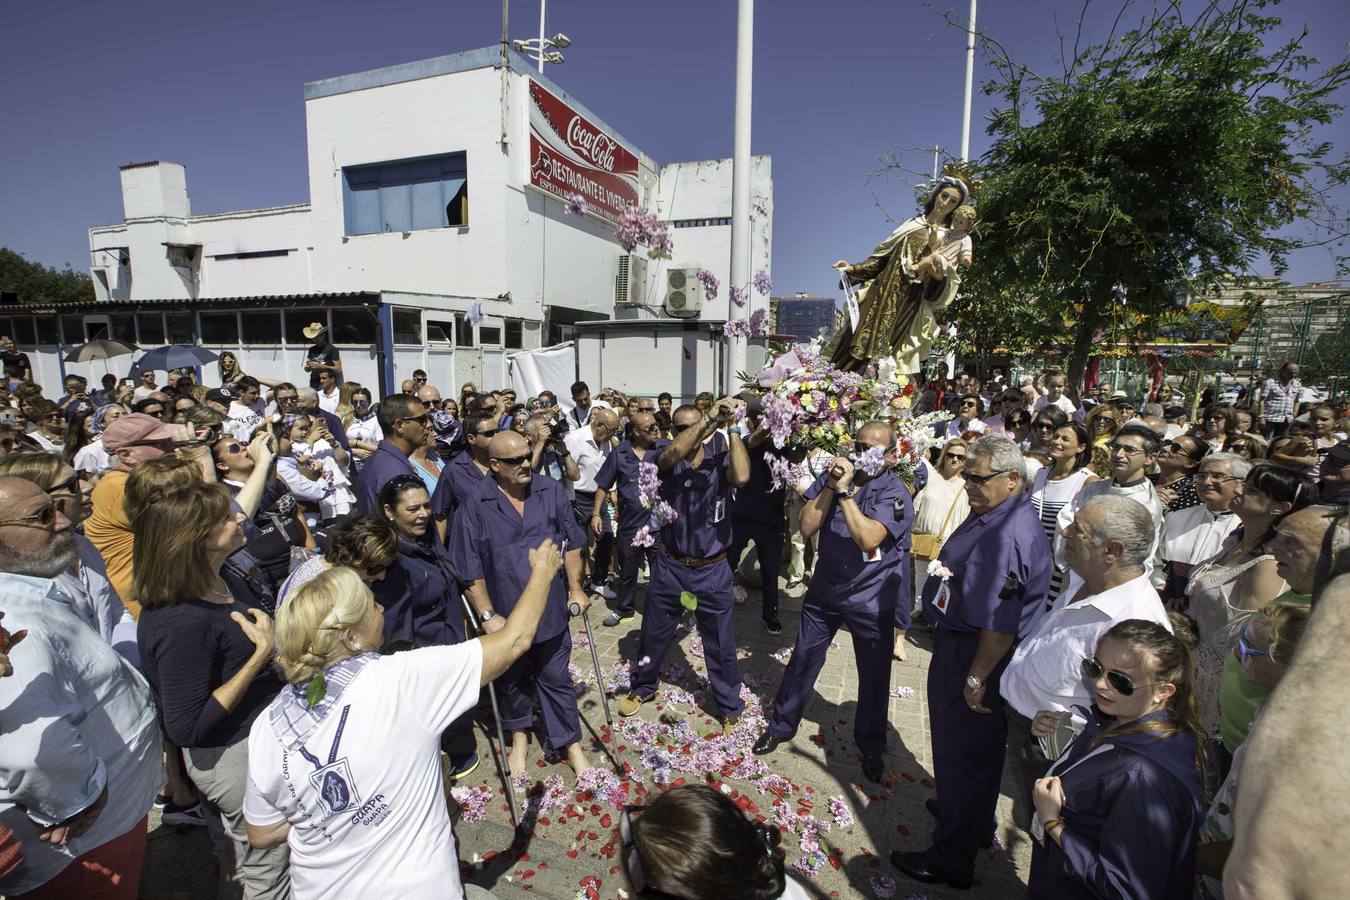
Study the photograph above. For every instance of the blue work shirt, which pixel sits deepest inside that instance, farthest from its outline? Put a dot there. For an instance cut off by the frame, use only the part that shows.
(621, 468)
(420, 594)
(846, 576)
(1000, 564)
(700, 497)
(491, 541)
(758, 500)
(385, 464)
(457, 482)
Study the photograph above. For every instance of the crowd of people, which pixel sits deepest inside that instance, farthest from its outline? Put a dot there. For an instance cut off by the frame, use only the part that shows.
(270, 608)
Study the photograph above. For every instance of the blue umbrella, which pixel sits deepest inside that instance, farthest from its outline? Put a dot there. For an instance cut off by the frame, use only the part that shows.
(174, 356)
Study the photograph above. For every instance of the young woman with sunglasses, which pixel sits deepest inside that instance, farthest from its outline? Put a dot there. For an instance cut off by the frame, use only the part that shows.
(1043, 426)
(1178, 461)
(1055, 485)
(1242, 577)
(1117, 815)
(1102, 423)
(692, 842)
(1218, 425)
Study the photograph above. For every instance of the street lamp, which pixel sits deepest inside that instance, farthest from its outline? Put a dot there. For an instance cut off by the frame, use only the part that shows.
(544, 49)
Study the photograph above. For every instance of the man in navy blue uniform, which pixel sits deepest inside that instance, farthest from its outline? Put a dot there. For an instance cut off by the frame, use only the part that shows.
(619, 473)
(489, 546)
(460, 477)
(690, 556)
(987, 591)
(404, 421)
(757, 515)
(864, 523)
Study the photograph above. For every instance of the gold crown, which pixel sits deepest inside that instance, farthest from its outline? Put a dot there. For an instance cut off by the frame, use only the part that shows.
(963, 171)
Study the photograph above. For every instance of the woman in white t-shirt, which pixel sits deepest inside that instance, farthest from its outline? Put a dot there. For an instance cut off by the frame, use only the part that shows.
(344, 765)
(693, 842)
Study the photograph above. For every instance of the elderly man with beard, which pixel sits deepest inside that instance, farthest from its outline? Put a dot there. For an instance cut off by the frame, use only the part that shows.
(80, 762)
(864, 519)
(490, 542)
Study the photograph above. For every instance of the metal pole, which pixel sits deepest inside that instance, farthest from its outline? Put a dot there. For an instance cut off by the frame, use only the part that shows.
(505, 81)
(970, 84)
(497, 720)
(543, 6)
(740, 188)
(575, 610)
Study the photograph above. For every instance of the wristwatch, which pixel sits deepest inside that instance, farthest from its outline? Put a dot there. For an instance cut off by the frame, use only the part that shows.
(485, 615)
(846, 494)
(973, 683)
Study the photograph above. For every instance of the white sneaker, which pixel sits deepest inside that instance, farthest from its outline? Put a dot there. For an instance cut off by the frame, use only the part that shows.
(604, 591)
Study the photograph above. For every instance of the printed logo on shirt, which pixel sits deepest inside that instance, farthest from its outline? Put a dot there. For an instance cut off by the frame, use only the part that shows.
(337, 793)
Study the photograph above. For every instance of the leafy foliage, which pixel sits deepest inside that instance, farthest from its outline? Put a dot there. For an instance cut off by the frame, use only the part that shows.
(36, 283)
(1157, 163)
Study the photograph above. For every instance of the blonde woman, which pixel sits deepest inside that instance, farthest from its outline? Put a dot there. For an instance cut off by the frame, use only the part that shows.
(344, 409)
(938, 509)
(344, 766)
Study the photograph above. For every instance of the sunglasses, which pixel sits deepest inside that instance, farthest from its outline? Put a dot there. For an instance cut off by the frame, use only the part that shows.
(1245, 650)
(512, 460)
(982, 479)
(423, 419)
(291, 399)
(43, 517)
(70, 486)
(1044, 426)
(233, 448)
(1119, 681)
(487, 434)
(1105, 420)
(955, 456)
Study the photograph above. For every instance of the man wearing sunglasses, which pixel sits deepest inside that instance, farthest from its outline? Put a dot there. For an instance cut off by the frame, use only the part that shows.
(690, 557)
(864, 521)
(490, 542)
(81, 751)
(461, 476)
(1106, 546)
(619, 473)
(986, 589)
(403, 421)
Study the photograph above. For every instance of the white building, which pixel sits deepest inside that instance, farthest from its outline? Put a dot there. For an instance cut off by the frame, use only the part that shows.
(432, 184)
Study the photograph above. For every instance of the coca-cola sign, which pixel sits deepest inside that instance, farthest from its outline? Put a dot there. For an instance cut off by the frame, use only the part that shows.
(570, 155)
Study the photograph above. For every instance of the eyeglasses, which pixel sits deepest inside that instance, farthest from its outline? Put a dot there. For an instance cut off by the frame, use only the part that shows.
(632, 860)
(512, 460)
(43, 517)
(1119, 681)
(982, 479)
(487, 434)
(1244, 649)
(1214, 476)
(1116, 447)
(650, 429)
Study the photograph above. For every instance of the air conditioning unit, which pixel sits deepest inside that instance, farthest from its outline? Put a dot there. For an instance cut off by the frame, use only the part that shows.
(630, 284)
(684, 293)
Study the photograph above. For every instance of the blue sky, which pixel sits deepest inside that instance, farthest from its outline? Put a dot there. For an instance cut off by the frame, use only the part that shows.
(218, 88)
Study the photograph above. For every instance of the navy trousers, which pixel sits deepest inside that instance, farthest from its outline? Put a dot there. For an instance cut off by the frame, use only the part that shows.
(871, 631)
(630, 560)
(768, 549)
(542, 668)
(968, 752)
(711, 584)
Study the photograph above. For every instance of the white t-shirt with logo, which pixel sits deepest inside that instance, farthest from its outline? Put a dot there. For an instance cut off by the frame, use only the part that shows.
(376, 756)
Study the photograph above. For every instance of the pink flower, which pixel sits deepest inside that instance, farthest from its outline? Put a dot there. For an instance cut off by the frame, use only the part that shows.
(576, 205)
(763, 283)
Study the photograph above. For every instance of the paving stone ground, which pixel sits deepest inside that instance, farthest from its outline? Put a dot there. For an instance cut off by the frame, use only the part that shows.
(573, 845)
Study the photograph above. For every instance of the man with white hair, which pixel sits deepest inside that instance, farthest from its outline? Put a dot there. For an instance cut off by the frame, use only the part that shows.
(81, 760)
(1196, 534)
(1106, 545)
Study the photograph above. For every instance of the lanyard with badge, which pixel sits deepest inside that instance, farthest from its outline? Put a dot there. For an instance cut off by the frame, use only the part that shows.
(333, 780)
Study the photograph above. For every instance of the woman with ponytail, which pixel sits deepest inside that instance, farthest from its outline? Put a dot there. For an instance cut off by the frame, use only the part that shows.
(1118, 813)
(692, 842)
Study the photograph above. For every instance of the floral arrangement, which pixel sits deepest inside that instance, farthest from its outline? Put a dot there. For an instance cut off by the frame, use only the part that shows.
(638, 227)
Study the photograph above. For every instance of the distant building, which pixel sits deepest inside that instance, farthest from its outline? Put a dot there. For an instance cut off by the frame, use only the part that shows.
(1290, 320)
(802, 316)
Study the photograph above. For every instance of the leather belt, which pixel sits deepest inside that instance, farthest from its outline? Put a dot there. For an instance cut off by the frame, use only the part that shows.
(694, 562)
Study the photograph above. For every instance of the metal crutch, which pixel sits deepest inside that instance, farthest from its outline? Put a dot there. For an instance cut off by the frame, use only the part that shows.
(574, 609)
(497, 720)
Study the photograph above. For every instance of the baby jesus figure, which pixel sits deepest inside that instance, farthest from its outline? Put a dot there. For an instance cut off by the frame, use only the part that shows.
(952, 251)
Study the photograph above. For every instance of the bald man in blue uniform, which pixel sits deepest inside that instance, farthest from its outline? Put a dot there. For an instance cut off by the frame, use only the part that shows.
(691, 552)
(863, 560)
(992, 592)
(462, 474)
(489, 546)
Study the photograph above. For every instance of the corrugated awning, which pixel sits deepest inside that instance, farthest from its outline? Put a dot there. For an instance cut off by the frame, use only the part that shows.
(360, 298)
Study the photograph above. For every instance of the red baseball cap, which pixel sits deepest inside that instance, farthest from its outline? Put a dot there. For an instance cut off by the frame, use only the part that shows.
(136, 428)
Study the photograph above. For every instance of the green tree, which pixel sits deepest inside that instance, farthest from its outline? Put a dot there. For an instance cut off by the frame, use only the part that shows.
(1156, 163)
(35, 283)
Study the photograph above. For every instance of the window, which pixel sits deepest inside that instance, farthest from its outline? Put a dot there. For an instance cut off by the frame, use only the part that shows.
(179, 327)
(297, 320)
(407, 326)
(219, 327)
(47, 332)
(352, 326)
(122, 327)
(261, 327)
(406, 195)
(490, 335)
(700, 223)
(72, 330)
(21, 330)
(253, 254)
(513, 339)
(440, 331)
(463, 331)
(150, 327)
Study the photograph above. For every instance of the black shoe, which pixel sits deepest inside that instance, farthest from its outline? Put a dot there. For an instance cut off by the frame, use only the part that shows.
(931, 805)
(765, 744)
(873, 768)
(913, 864)
(773, 626)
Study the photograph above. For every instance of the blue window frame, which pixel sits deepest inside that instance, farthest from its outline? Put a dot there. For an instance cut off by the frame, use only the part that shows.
(406, 195)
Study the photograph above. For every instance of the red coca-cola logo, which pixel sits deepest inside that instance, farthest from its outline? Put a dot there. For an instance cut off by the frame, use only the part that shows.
(592, 145)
